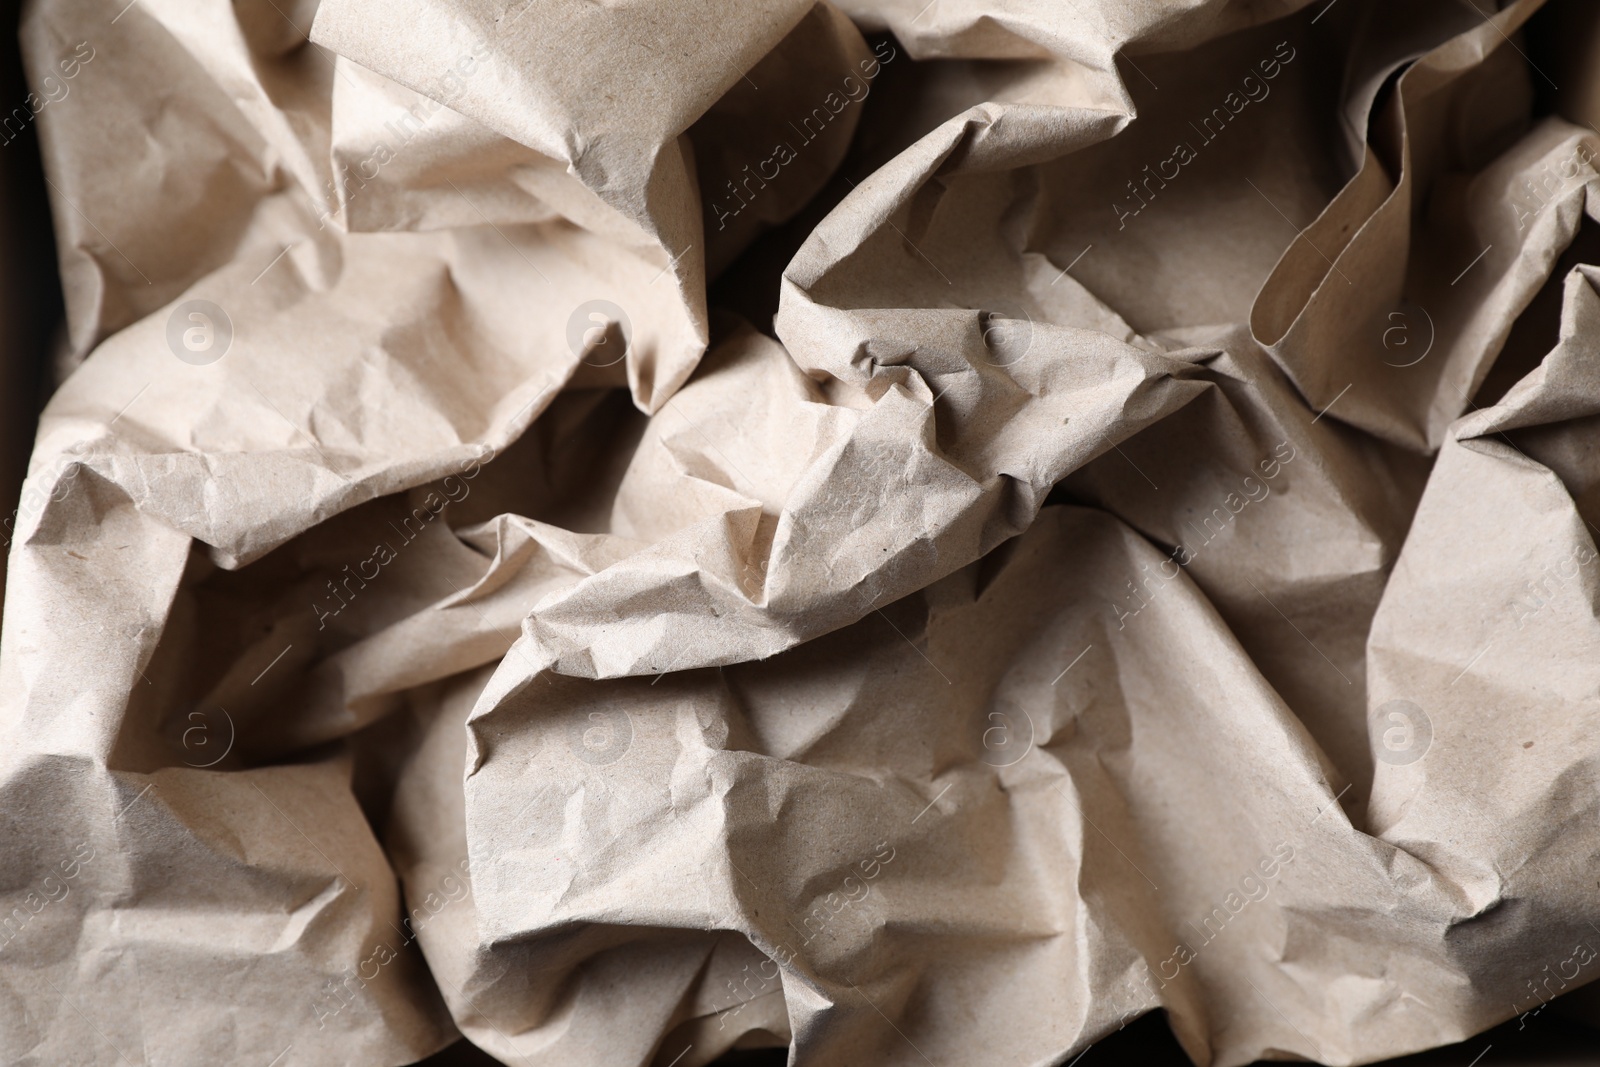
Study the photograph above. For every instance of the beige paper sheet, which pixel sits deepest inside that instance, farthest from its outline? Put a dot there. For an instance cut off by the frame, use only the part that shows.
(1149, 564)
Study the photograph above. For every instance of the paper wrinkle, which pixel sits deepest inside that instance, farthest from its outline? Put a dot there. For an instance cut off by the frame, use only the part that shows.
(1468, 324)
(890, 643)
(1084, 604)
(625, 142)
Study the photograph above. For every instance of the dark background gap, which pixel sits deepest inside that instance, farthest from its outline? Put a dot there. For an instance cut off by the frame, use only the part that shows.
(1148, 1042)
(30, 285)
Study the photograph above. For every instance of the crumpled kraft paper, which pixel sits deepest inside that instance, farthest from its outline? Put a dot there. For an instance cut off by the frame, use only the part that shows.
(1152, 565)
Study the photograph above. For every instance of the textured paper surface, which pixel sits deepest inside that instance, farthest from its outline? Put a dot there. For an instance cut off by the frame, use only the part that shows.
(1149, 564)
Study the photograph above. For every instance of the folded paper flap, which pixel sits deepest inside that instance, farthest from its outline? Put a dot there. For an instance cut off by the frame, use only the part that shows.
(404, 161)
(208, 432)
(1498, 530)
(637, 80)
(1564, 387)
(183, 861)
(875, 506)
(614, 741)
(698, 747)
(131, 238)
(1454, 299)
(1307, 264)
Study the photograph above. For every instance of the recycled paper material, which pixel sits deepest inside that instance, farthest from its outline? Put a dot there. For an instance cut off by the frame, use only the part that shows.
(1148, 561)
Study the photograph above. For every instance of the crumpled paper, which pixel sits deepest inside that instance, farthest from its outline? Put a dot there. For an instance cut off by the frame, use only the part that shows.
(1149, 562)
